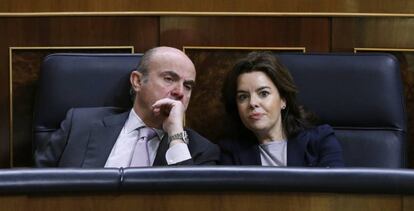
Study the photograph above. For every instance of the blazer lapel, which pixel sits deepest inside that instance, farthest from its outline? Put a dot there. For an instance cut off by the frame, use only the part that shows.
(249, 154)
(101, 140)
(296, 151)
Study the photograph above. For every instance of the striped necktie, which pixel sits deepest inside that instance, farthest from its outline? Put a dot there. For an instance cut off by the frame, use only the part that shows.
(140, 157)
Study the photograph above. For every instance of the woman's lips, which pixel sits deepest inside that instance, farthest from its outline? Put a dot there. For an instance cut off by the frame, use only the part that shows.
(255, 116)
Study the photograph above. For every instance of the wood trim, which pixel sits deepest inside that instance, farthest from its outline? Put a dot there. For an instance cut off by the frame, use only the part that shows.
(185, 13)
(303, 49)
(383, 49)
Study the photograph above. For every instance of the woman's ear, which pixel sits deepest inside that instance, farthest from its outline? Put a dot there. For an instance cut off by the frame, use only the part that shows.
(136, 80)
(283, 104)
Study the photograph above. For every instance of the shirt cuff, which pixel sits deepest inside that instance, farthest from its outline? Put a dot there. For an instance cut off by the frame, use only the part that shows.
(177, 153)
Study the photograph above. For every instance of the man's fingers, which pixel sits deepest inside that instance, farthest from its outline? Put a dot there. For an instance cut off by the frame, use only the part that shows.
(163, 106)
(164, 103)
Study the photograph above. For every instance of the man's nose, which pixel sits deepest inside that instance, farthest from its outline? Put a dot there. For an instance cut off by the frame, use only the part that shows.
(178, 92)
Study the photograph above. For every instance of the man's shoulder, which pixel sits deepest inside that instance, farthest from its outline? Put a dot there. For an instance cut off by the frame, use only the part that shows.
(194, 135)
(197, 138)
(201, 149)
(91, 115)
(91, 112)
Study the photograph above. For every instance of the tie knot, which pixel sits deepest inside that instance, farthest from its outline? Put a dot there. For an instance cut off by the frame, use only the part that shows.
(147, 133)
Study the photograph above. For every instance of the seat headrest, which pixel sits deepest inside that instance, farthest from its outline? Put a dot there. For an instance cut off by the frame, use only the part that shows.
(81, 80)
(350, 90)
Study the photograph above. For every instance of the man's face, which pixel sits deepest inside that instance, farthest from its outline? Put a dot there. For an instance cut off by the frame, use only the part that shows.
(170, 75)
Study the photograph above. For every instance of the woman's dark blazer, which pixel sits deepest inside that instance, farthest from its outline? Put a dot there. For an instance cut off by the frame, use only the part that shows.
(316, 147)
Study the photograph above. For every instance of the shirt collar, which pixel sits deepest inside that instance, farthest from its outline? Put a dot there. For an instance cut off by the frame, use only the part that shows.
(134, 121)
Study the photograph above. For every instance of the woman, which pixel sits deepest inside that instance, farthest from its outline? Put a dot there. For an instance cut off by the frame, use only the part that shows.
(260, 95)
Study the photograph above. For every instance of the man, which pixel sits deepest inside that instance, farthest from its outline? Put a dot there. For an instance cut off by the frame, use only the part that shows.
(107, 137)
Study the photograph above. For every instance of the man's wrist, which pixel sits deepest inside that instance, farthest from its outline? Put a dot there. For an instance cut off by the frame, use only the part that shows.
(180, 137)
(174, 128)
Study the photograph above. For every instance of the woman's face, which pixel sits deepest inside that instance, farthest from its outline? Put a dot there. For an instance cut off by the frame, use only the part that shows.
(259, 103)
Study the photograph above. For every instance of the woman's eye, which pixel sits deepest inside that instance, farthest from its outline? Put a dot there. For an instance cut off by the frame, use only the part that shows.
(241, 97)
(264, 93)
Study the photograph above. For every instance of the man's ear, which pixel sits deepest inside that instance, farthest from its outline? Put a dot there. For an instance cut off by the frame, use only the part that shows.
(136, 80)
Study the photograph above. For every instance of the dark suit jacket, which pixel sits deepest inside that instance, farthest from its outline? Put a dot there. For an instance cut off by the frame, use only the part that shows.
(313, 147)
(87, 135)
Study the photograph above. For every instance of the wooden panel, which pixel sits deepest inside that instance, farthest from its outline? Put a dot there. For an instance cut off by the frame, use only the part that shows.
(408, 203)
(370, 6)
(348, 33)
(206, 201)
(140, 32)
(312, 33)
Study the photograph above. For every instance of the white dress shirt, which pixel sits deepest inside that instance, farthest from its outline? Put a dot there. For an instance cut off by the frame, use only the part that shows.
(123, 149)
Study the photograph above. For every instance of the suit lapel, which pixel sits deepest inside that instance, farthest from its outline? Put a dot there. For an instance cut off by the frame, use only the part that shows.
(102, 138)
(161, 151)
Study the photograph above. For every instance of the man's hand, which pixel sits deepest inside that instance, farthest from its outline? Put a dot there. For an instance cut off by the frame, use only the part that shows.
(172, 112)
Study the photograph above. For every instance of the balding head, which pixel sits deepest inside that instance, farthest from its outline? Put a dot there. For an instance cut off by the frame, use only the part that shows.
(158, 54)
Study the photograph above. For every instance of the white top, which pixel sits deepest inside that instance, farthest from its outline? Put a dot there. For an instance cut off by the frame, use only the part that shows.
(273, 153)
(123, 148)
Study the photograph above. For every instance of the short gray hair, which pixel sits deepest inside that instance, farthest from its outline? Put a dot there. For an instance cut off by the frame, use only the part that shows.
(143, 68)
(143, 65)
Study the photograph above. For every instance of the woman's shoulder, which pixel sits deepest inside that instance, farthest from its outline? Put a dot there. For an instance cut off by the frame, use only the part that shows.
(318, 131)
(322, 140)
(315, 135)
